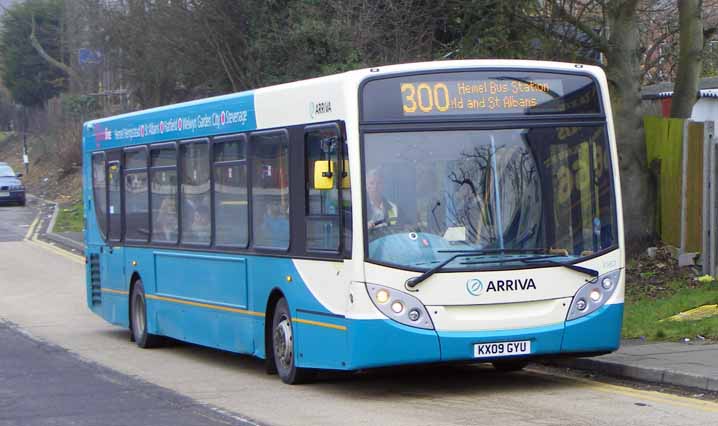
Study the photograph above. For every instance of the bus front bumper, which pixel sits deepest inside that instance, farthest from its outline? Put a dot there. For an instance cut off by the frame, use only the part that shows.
(594, 333)
(377, 343)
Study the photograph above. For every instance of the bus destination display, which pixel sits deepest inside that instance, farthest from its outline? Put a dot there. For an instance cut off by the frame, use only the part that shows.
(487, 96)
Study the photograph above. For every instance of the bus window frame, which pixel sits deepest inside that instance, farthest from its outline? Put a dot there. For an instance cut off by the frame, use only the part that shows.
(126, 170)
(115, 156)
(297, 235)
(339, 252)
(217, 140)
(151, 168)
(180, 171)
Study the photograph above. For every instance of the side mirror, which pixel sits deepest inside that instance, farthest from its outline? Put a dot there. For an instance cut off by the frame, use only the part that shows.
(18, 175)
(323, 175)
(346, 184)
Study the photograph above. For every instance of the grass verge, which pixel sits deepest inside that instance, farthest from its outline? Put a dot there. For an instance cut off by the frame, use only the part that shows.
(69, 219)
(642, 316)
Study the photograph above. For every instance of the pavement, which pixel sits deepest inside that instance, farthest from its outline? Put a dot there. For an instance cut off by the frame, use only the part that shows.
(691, 365)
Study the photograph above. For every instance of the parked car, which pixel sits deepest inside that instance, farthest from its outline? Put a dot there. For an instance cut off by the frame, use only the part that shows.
(11, 188)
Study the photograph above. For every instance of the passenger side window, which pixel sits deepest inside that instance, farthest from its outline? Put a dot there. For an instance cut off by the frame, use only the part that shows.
(195, 195)
(231, 211)
(322, 191)
(137, 214)
(115, 200)
(163, 178)
(270, 190)
(99, 190)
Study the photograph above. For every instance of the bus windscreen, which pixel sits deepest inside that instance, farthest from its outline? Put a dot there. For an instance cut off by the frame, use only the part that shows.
(478, 94)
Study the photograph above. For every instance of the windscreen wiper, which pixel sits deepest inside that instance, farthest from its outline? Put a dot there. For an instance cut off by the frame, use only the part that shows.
(588, 271)
(541, 259)
(414, 281)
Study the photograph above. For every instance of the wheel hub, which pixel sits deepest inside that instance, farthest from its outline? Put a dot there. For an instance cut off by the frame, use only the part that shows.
(283, 350)
(139, 316)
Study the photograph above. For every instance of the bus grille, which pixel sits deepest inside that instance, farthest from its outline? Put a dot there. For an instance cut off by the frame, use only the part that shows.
(95, 279)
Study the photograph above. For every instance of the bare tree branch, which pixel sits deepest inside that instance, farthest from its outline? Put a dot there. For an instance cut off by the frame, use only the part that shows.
(52, 61)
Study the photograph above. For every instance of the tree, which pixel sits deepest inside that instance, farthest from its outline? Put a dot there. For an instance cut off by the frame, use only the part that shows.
(612, 27)
(685, 93)
(29, 77)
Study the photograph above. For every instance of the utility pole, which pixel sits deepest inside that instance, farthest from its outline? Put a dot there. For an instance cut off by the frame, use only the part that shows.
(25, 157)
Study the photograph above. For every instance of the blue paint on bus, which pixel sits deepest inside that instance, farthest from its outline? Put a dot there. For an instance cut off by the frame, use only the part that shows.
(599, 331)
(222, 114)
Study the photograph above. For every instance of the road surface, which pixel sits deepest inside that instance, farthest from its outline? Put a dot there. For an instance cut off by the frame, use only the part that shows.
(42, 292)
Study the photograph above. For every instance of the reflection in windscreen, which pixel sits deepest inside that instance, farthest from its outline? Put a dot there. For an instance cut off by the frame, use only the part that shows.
(524, 189)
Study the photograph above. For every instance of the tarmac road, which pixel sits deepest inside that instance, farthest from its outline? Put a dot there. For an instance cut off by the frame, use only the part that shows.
(42, 291)
(15, 221)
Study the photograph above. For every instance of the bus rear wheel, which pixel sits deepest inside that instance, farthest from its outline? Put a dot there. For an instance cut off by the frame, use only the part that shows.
(508, 366)
(138, 318)
(283, 347)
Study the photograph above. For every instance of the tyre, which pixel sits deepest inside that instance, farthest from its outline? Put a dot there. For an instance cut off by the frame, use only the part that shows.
(508, 366)
(283, 347)
(138, 319)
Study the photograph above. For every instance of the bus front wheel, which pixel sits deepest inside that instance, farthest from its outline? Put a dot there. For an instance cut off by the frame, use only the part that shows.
(138, 314)
(283, 346)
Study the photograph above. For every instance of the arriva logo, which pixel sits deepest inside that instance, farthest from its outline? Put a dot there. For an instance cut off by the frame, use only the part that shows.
(474, 286)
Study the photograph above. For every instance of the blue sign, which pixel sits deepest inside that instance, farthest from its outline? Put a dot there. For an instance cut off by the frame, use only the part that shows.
(89, 56)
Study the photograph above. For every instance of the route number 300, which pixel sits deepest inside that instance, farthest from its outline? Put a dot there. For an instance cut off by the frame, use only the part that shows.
(425, 97)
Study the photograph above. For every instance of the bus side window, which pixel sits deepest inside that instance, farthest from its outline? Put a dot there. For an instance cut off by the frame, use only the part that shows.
(322, 188)
(99, 190)
(195, 195)
(270, 190)
(163, 189)
(231, 215)
(137, 215)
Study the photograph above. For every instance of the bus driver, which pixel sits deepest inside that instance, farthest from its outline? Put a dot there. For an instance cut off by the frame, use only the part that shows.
(380, 211)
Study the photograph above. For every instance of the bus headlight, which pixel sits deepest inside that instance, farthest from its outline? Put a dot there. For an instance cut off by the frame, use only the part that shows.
(593, 295)
(399, 306)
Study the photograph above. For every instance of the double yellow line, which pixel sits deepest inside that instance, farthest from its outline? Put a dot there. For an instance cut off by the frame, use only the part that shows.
(31, 237)
(640, 395)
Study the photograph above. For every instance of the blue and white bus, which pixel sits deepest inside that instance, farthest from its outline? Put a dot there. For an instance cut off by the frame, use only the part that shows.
(417, 213)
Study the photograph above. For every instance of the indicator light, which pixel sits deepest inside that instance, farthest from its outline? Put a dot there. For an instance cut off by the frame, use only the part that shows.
(414, 315)
(581, 305)
(606, 283)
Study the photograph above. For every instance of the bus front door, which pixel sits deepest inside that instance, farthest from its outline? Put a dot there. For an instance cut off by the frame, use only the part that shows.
(112, 257)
